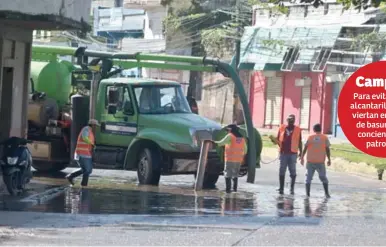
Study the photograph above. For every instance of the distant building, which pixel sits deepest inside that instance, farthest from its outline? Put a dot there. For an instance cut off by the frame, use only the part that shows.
(305, 64)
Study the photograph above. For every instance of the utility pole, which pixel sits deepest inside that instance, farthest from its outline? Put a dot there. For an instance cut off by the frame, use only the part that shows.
(237, 57)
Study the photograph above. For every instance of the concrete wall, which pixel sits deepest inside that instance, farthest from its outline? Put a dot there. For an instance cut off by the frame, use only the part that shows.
(153, 34)
(15, 50)
(156, 16)
(217, 97)
(74, 10)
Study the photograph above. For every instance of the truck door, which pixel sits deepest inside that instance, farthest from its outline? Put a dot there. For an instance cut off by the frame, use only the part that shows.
(120, 128)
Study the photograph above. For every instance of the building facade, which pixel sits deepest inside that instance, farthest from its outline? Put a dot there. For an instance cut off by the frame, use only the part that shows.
(299, 62)
(18, 19)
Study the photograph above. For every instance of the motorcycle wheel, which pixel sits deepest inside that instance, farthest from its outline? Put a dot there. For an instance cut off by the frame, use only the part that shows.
(11, 182)
(24, 179)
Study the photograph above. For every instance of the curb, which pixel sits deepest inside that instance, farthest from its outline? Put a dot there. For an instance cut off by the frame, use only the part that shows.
(44, 196)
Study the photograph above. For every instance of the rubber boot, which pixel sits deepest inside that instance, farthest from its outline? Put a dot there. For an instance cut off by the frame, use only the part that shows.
(293, 180)
(235, 184)
(308, 189)
(84, 182)
(325, 186)
(228, 184)
(281, 181)
(70, 177)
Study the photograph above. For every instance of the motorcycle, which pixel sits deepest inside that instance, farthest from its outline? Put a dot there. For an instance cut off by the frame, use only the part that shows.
(16, 163)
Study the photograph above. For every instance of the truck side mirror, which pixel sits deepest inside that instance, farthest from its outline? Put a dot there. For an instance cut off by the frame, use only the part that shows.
(113, 98)
(111, 109)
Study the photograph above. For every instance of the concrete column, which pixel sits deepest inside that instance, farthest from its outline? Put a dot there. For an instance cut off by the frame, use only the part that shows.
(27, 62)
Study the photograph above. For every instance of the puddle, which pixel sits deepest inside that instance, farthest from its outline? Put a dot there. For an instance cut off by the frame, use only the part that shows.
(143, 202)
(107, 201)
(177, 197)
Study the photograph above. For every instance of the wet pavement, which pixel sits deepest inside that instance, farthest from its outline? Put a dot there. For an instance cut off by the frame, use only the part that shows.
(137, 202)
(175, 196)
(116, 210)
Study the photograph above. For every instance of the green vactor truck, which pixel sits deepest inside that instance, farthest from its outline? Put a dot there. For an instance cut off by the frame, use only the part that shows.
(146, 124)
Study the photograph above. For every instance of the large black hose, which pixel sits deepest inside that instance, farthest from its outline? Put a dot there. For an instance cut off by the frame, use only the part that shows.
(79, 116)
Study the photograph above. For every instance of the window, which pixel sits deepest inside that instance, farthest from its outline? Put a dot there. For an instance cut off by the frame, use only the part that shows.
(322, 59)
(124, 104)
(290, 58)
(161, 99)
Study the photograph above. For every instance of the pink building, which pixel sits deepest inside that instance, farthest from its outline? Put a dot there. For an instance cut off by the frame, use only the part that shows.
(276, 94)
(288, 75)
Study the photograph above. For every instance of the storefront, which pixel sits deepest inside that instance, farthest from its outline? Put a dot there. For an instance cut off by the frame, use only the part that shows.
(284, 80)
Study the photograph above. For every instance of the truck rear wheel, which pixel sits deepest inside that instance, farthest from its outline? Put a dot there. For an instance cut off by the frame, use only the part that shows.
(42, 166)
(148, 167)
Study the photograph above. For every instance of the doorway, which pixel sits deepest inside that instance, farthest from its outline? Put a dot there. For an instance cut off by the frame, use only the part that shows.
(6, 102)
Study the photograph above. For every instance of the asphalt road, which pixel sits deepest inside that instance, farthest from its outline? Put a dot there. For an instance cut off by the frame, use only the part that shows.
(118, 212)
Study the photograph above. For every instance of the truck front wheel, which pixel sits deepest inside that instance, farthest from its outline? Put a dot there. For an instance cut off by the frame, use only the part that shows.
(148, 167)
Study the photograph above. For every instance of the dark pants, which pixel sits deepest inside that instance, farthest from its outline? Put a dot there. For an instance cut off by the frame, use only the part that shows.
(320, 168)
(85, 170)
(288, 160)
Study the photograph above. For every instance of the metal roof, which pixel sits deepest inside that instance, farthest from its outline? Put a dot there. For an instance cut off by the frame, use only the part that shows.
(263, 46)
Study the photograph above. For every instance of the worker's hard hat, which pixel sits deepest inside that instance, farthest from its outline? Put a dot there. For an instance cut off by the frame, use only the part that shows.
(93, 122)
(231, 127)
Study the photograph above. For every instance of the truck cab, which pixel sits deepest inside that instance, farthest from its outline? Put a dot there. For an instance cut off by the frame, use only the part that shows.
(149, 127)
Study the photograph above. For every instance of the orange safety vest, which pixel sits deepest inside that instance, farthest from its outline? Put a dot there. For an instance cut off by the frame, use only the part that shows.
(82, 148)
(316, 148)
(295, 137)
(234, 152)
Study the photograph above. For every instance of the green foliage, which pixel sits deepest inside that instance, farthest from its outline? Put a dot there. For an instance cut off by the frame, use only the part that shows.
(215, 41)
(362, 4)
(273, 6)
(375, 41)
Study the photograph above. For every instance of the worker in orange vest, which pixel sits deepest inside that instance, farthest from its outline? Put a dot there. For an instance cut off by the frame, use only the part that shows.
(289, 139)
(318, 147)
(235, 150)
(83, 153)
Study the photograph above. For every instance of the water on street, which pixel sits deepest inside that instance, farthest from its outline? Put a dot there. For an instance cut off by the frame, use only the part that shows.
(116, 210)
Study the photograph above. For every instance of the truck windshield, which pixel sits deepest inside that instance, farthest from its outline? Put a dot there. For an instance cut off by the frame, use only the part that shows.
(161, 99)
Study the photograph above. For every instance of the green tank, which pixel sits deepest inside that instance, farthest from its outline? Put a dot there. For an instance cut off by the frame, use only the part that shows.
(53, 78)
(243, 131)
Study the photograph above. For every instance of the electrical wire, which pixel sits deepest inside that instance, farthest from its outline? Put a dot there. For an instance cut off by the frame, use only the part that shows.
(194, 38)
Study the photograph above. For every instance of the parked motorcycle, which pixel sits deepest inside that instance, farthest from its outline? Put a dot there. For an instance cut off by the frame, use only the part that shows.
(16, 164)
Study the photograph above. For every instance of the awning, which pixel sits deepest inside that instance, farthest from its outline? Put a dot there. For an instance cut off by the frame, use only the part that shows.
(266, 47)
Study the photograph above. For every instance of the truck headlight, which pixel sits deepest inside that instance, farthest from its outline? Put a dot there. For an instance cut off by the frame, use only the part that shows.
(12, 160)
(194, 137)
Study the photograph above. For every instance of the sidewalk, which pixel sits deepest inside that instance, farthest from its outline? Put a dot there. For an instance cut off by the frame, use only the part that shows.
(305, 134)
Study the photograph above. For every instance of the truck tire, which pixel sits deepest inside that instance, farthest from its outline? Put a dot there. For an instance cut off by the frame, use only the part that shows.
(147, 165)
(210, 180)
(48, 166)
